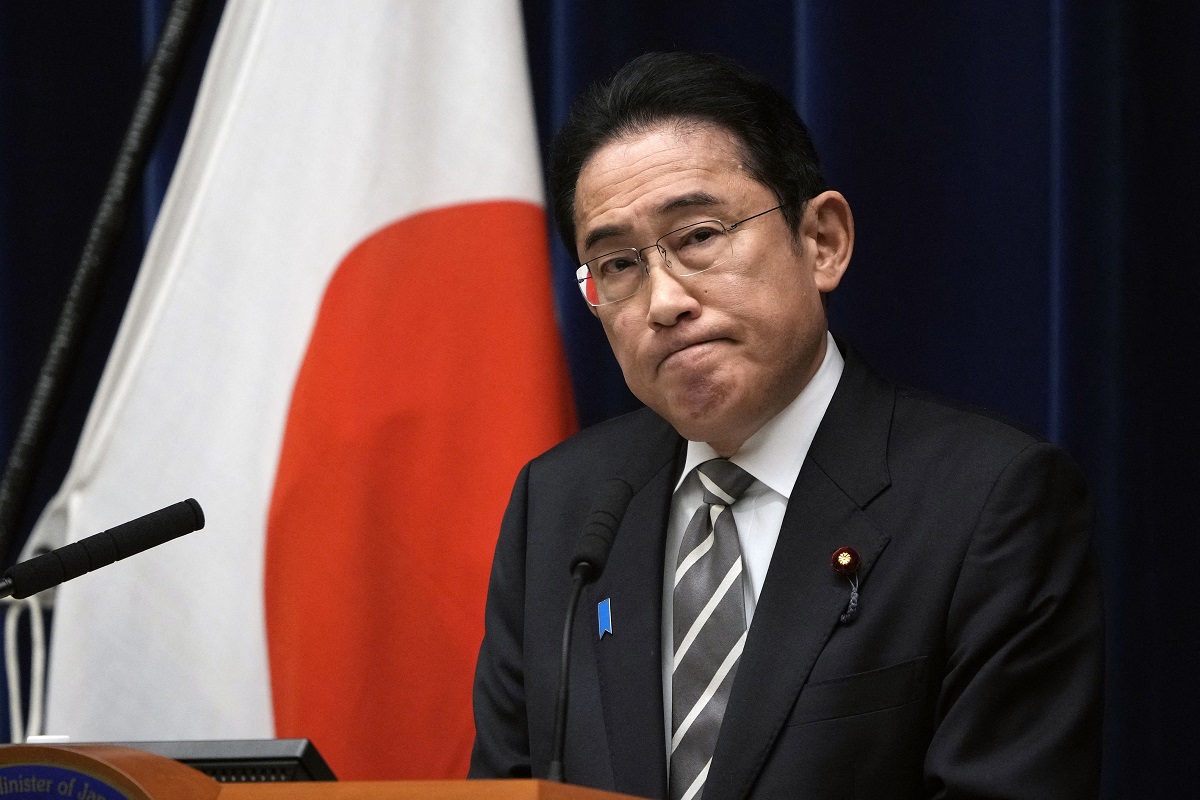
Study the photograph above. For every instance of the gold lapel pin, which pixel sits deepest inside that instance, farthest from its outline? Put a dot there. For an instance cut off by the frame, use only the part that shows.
(846, 562)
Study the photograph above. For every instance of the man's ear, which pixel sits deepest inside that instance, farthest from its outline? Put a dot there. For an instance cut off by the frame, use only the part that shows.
(829, 227)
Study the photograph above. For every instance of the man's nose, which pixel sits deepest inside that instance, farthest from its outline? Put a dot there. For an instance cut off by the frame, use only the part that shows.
(669, 300)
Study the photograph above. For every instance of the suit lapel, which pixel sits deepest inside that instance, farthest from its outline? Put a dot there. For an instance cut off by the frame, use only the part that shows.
(630, 659)
(802, 598)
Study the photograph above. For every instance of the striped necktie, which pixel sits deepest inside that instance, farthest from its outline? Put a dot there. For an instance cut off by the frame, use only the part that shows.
(709, 626)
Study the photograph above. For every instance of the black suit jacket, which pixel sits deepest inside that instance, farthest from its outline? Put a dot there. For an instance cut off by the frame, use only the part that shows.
(973, 668)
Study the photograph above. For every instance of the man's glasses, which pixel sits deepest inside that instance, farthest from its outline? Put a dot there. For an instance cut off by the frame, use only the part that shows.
(686, 251)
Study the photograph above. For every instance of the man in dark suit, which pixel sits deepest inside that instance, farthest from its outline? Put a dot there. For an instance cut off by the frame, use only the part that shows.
(909, 606)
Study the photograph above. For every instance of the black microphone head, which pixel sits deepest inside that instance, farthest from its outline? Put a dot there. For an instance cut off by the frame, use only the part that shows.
(157, 527)
(197, 513)
(591, 554)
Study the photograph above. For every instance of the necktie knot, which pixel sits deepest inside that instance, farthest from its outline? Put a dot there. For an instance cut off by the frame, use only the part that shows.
(722, 481)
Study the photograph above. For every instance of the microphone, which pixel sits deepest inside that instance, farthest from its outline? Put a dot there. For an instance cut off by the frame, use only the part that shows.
(591, 554)
(57, 566)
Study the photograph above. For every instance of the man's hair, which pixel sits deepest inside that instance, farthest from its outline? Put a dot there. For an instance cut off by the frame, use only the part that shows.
(658, 88)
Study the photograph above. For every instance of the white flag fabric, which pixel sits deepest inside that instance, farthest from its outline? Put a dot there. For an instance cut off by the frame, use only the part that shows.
(341, 333)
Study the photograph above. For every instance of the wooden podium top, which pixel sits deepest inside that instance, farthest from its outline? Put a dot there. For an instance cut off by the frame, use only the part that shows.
(411, 790)
(109, 772)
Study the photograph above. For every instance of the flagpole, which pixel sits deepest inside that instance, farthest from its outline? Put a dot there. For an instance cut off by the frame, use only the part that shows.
(30, 442)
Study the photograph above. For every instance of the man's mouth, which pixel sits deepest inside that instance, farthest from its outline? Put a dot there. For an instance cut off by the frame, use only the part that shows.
(690, 350)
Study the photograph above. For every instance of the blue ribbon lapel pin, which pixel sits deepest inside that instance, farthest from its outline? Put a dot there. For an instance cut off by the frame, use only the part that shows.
(604, 612)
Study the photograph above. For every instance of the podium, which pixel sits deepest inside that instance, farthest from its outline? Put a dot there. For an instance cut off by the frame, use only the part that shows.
(109, 772)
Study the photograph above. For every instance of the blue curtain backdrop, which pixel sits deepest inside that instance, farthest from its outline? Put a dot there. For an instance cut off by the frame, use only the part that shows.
(1024, 177)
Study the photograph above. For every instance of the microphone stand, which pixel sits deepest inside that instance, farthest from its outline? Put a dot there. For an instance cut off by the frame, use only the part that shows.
(582, 576)
(31, 439)
(591, 554)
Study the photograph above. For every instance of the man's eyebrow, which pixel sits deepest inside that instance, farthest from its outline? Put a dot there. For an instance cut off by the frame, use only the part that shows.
(694, 199)
(702, 199)
(604, 233)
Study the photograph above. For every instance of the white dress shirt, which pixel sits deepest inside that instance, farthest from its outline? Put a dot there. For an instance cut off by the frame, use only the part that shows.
(773, 455)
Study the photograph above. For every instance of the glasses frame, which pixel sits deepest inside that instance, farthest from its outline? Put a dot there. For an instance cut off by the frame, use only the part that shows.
(583, 272)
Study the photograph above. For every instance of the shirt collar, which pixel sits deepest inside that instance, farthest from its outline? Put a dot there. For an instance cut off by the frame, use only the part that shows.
(775, 453)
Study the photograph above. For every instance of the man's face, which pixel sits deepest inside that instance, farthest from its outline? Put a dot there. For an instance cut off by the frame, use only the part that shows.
(720, 353)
